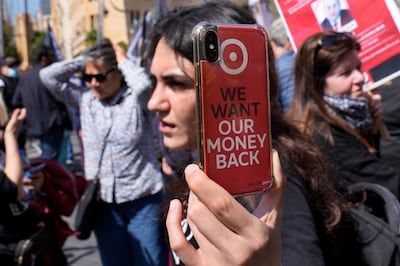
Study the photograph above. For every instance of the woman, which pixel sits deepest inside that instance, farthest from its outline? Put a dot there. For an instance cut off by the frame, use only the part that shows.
(118, 149)
(13, 171)
(17, 221)
(330, 105)
(225, 233)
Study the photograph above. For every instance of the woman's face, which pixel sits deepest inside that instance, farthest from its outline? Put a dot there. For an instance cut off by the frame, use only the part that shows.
(106, 86)
(346, 78)
(174, 97)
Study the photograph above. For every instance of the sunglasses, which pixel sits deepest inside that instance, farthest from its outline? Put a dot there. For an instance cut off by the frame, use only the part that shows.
(331, 41)
(98, 77)
(338, 39)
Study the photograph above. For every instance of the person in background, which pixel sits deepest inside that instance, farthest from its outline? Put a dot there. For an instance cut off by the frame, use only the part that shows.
(9, 76)
(12, 227)
(331, 107)
(47, 117)
(284, 55)
(4, 116)
(13, 170)
(22, 213)
(118, 148)
(390, 148)
(217, 229)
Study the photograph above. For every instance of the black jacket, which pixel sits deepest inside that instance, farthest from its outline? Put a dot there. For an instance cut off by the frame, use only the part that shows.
(351, 162)
(44, 111)
(16, 219)
(390, 149)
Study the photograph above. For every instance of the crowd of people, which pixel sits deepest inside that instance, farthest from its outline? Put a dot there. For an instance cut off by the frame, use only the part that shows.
(156, 206)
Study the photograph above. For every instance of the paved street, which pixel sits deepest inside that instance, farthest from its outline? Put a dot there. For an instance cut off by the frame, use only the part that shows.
(81, 252)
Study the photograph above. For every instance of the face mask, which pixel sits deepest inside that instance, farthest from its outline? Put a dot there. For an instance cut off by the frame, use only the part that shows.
(354, 111)
(12, 73)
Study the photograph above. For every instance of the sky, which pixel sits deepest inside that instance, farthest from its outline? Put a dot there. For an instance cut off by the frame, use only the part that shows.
(18, 6)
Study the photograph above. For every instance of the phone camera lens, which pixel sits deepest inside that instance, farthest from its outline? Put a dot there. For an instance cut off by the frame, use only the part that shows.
(211, 46)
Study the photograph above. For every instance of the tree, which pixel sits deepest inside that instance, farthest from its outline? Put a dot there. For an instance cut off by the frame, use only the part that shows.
(9, 46)
(91, 37)
(124, 45)
(37, 39)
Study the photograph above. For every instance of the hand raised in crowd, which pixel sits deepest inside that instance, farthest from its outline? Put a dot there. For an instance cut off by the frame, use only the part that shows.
(35, 181)
(226, 232)
(14, 124)
(119, 53)
(13, 166)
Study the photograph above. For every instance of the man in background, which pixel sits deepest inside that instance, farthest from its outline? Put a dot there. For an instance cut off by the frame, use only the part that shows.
(47, 117)
(284, 56)
(335, 17)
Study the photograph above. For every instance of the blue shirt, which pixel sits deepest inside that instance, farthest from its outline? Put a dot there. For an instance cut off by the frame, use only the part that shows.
(129, 168)
(284, 67)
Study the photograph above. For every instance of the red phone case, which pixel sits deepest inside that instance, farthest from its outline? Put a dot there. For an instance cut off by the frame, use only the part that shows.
(234, 139)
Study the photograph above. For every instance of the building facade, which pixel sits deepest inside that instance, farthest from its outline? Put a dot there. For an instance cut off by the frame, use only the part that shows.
(23, 33)
(75, 21)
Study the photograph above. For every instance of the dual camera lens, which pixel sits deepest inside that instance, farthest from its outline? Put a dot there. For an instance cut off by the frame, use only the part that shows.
(211, 46)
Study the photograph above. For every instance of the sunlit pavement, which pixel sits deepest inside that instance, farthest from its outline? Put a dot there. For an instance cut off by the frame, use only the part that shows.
(81, 252)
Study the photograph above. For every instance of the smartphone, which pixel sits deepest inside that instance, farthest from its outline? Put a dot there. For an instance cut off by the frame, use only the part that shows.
(233, 108)
(34, 169)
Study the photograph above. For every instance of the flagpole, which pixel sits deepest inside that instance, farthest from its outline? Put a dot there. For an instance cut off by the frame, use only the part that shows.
(99, 35)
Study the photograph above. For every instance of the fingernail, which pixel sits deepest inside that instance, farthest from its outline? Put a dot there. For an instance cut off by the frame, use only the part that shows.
(190, 169)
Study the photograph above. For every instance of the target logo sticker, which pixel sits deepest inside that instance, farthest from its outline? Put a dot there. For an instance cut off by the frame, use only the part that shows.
(234, 57)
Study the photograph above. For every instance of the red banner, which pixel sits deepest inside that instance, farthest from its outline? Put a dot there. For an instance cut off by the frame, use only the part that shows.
(376, 23)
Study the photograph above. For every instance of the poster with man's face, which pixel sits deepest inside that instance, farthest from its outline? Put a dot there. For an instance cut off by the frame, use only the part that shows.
(333, 15)
(375, 23)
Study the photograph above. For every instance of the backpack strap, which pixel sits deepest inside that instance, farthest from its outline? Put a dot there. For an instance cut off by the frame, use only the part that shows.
(382, 198)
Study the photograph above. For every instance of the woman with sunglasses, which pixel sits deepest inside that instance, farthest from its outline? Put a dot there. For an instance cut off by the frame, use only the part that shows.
(214, 223)
(117, 148)
(330, 105)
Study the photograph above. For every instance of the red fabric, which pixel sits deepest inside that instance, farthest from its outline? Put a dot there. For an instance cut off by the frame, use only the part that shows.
(170, 259)
(61, 192)
(62, 187)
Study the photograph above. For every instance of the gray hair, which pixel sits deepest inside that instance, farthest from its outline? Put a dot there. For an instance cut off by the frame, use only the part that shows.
(277, 32)
(102, 52)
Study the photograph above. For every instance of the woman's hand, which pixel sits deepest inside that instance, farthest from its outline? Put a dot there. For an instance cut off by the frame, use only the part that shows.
(376, 109)
(35, 181)
(375, 104)
(15, 123)
(13, 165)
(120, 54)
(226, 232)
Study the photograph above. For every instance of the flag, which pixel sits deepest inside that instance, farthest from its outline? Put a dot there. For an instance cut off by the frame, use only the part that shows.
(161, 9)
(50, 41)
(147, 24)
(261, 12)
(133, 50)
